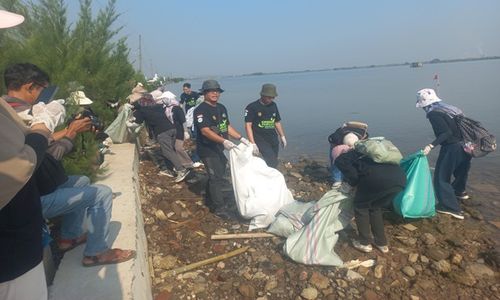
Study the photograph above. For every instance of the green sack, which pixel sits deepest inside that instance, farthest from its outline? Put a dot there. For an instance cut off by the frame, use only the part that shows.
(417, 200)
(380, 150)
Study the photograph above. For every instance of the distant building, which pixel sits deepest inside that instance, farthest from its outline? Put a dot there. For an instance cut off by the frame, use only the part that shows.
(416, 65)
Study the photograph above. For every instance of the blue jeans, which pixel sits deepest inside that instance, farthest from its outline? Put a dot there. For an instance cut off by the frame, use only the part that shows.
(79, 202)
(452, 161)
(334, 171)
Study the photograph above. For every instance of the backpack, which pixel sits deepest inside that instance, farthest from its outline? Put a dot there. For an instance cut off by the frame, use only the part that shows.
(477, 141)
(358, 128)
(380, 150)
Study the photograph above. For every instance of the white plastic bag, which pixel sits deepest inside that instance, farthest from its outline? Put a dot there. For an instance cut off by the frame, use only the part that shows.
(260, 191)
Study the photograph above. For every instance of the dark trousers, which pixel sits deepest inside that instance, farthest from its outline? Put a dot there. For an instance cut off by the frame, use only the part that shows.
(269, 151)
(216, 169)
(370, 220)
(452, 160)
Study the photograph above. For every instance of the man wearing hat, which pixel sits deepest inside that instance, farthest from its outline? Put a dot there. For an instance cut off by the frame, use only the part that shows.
(213, 130)
(263, 125)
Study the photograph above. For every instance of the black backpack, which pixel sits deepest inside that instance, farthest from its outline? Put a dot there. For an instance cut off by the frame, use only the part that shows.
(477, 141)
(358, 128)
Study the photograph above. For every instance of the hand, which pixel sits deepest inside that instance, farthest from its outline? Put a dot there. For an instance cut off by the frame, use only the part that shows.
(80, 125)
(228, 145)
(51, 115)
(186, 135)
(255, 150)
(283, 142)
(427, 149)
(245, 141)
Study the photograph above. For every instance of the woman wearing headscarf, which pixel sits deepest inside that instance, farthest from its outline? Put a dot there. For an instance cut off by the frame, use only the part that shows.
(452, 159)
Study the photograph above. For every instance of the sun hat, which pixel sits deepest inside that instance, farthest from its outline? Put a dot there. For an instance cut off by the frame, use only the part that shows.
(8, 19)
(166, 97)
(81, 99)
(269, 90)
(426, 97)
(210, 85)
(156, 94)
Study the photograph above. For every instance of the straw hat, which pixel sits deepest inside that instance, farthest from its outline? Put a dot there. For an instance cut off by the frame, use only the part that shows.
(81, 99)
(137, 92)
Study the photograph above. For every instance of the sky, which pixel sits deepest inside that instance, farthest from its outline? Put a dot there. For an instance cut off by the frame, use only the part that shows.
(192, 38)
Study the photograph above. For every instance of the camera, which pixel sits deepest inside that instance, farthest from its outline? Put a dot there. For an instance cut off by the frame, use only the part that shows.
(87, 112)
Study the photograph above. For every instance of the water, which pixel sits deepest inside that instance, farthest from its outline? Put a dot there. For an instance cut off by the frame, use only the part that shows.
(314, 104)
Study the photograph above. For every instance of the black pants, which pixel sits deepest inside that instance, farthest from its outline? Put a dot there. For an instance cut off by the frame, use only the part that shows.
(371, 220)
(216, 169)
(268, 150)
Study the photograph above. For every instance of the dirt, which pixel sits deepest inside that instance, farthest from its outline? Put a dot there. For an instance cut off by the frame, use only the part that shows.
(433, 258)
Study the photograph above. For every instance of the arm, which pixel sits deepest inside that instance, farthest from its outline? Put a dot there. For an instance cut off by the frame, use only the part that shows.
(75, 127)
(249, 130)
(279, 129)
(345, 162)
(211, 135)
(440, 127)
(233, 133)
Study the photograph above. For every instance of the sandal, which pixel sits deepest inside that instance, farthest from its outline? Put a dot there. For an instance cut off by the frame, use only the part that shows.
(111, 256)
(71, 243)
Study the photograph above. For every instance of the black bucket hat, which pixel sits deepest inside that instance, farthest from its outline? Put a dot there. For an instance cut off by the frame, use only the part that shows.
(210, 85)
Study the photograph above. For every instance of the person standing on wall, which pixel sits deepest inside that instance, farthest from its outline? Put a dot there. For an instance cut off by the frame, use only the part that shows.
(263, 125)
(213, 130)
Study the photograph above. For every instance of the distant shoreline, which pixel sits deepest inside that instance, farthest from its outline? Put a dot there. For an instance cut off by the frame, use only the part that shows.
(434, 61)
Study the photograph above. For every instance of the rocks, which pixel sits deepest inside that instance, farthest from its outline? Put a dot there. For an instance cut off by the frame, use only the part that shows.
(437, 253)
(413, 257)
(370, 295)
(408, 271)
(378, 272)
(295, 174)
(442, 266)
(424, 259)
(271, 284)
(165, 263)
(309, 293)
(428, 239)
(479, 270)
(342, 283)
(319, 281)
(462, 277)
(247, 290)
(410, 227)
(352, 276)
(456, 259)
(160, 215)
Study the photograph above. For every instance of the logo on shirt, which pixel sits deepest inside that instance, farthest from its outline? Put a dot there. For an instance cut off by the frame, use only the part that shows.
(199, 118)
(259, 114)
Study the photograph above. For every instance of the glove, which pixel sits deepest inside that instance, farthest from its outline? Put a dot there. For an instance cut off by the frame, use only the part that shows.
(255, 150)
(427, 149)
(51, 115)
(245, 141)
(283, 142)
(186, 135)
(228, 145)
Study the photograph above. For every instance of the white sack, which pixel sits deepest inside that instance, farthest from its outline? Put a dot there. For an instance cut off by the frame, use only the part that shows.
(260, 191)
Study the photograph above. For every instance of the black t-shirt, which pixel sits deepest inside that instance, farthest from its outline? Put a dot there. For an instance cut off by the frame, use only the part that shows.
(263, 119)
(215, 118)
(179, 119)
(155, 118)
(189, 100)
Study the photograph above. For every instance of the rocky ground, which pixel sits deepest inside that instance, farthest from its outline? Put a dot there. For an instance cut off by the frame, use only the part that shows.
(434, 258)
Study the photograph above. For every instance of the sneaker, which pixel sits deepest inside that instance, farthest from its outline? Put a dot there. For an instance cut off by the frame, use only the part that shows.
(181, 175)
(336, 184)
(363, 248)
(167, 172)
(197, 164)
(459, 216)
(383, 249)
(462, 196)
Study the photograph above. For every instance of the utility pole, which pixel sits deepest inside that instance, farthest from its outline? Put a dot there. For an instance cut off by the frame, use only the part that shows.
(140, 53)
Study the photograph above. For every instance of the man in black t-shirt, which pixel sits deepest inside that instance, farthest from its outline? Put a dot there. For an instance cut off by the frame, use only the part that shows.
(213, 130)
(263, 125)
(188, 97)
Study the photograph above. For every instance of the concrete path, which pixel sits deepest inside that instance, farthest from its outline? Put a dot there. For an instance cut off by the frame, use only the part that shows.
(128, 280)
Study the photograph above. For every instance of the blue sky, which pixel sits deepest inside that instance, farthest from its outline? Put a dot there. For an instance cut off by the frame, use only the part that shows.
(203, 38)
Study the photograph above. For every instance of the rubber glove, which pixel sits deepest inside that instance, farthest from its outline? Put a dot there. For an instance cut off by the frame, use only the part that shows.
(283, 142)
(345, 188)
(427, 149)
(228, 145)
(186, 135)
(255, 150)
(245, 141)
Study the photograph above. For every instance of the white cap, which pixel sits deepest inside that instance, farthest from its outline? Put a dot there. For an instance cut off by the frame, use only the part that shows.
(166, 97)
(8, 19)
(426, 97)
(81, 99)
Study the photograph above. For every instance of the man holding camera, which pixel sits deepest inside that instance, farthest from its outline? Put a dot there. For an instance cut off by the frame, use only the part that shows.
(72, 197)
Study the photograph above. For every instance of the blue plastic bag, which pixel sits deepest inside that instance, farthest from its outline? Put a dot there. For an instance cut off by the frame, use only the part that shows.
(417, 200)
